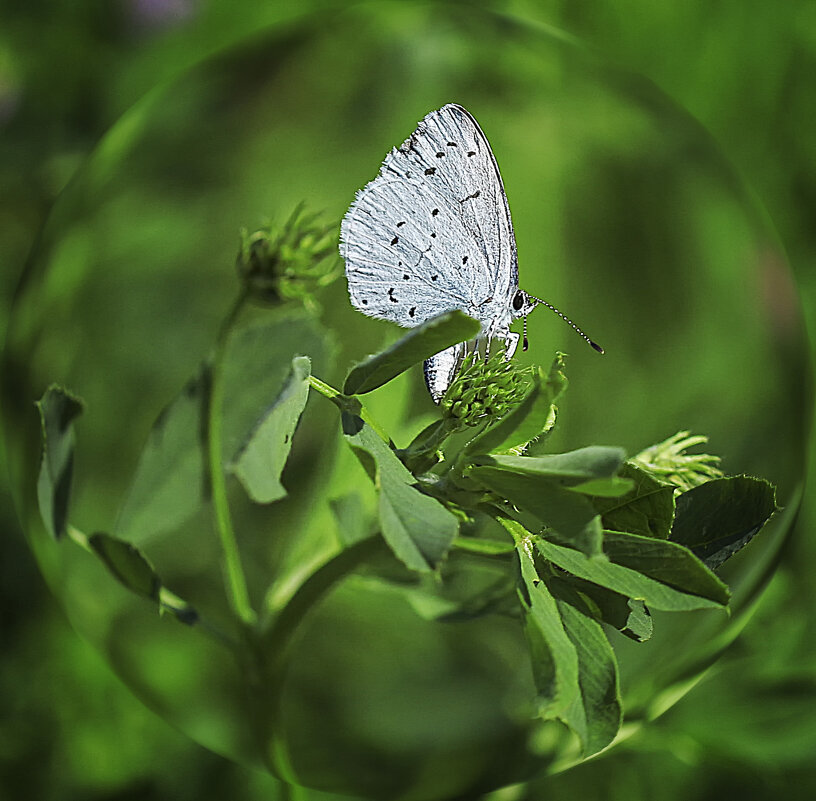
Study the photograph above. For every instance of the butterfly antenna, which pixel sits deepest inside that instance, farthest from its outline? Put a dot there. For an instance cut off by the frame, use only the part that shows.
(567, 320)
(525, 344)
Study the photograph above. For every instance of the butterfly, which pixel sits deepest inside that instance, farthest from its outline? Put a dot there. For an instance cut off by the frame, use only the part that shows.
(432, 233)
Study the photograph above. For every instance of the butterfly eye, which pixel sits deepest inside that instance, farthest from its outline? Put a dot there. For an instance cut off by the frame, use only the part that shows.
(518, 300)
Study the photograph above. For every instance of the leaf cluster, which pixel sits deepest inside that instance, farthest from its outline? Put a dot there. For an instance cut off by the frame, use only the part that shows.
(474, 516)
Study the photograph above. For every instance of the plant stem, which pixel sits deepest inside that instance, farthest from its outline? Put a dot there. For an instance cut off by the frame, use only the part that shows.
(234, 574)
(324, 389)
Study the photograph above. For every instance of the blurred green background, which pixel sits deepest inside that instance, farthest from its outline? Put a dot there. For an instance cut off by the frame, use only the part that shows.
(745, 69)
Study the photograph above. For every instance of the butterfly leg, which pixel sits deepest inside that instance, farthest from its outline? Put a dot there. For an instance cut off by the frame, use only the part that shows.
(511, 340)
(441, 369)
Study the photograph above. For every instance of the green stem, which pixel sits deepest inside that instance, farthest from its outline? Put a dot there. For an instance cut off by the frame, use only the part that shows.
(236, 581)
(325, 389)
(347, 404)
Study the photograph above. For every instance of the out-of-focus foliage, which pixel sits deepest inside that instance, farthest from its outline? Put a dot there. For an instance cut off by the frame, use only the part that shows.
(743, 67)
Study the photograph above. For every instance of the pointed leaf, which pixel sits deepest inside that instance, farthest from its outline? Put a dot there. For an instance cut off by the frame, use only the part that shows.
(666, 562)
(597, 668)
(417, 345)
(554, 658)
(648, 509)
(127, 564)
(131, 568)
(260, 462)
(720, 517)
(418, 528)
(622, 579)
(58, 409)
(573, 467)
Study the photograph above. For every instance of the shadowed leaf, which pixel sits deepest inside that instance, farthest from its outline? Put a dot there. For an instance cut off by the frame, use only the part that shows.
(720, 517)
(648, 509)
(58, 409)
(259, 464)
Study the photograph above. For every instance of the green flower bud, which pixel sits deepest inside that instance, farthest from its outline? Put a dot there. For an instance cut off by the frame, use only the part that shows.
(289, 263)
(485, 388)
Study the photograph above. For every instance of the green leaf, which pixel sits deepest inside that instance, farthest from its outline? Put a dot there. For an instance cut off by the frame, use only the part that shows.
(573, 467)
(127, 564)
(352, 523)
(418, 344)
(170, 480)
(483, 545)
(257, 363)
(418, 528)
(648, 509)
(666, 562)
(131, 568)
(613, 487)
(597, 668)
(720, 517)
(630, 617)
(58, 409)
(260, 463)
(553, 654)
(571, 516)
(623, 579)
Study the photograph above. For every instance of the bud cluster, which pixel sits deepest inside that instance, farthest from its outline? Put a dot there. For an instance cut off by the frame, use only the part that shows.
(289, 263)
(669, 462)
(485, 389)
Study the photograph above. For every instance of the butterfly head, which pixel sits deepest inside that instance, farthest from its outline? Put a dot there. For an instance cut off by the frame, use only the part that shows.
(522, 304)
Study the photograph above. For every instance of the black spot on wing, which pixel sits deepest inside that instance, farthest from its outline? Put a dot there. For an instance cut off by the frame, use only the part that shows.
(430, 171)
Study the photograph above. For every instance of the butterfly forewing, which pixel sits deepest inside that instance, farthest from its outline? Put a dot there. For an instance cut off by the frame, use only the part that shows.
(432, 231)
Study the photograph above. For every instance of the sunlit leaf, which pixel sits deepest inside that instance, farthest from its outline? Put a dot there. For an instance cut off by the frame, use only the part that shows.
(418, 528)
(553, 654)
(597, 669)
(626, 581)
(418, 344)
(667, 562)
(572, 467)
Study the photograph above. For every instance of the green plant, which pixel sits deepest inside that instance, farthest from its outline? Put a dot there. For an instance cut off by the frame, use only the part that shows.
(573, 544)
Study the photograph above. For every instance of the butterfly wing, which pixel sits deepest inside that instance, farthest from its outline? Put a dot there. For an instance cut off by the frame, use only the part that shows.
(432, 231)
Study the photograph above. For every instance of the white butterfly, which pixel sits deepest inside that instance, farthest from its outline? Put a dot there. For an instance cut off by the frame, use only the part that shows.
(432, 233)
